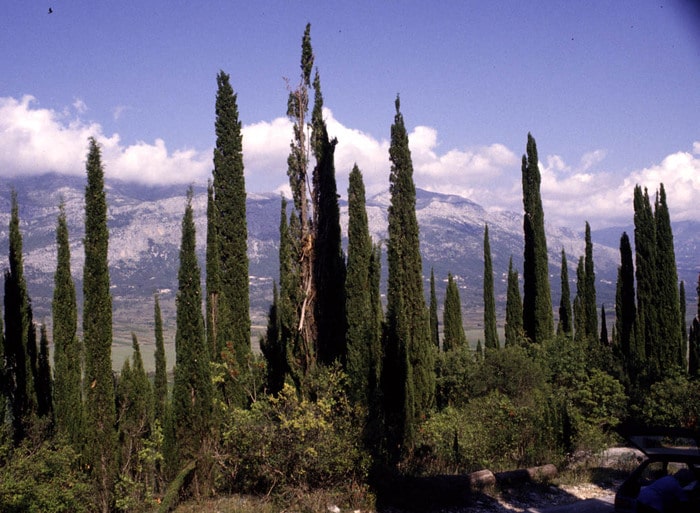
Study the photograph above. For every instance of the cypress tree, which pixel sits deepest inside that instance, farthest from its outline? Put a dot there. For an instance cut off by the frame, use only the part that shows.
(97, 332)
(20, 370)
(565, 327)
(408, 376)
(645, 271)
(361, 331)
(591, 310)
(231, 230)
(160, 381)
(538, 322)
(514, 333)
(490, 331)
(67, 355)
(134, 407)
(434, 327)
(4, 384)
(694, 339)
(213, 278)
(604, 340)
(668, 315)
(302, 346)
(684, 331)
(580, 310)
(272, 347)
(328, 261)
(192, 399)
(453, 336)
(44, 382)
(625, 307)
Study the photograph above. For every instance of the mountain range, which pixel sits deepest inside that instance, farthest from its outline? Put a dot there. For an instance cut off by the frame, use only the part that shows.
(145, 230)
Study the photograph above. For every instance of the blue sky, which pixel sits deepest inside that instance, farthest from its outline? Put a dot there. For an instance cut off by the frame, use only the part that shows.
(609, 89)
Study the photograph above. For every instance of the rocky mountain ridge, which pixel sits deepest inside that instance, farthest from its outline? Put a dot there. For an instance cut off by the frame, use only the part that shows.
(145, 230)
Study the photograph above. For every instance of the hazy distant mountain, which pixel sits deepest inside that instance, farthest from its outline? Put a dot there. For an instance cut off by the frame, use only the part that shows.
(145, 236)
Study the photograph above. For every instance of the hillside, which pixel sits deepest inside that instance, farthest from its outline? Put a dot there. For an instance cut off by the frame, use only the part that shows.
(145, 235)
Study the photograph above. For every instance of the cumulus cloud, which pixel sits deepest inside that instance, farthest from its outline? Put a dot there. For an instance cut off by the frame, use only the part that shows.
(36, 140)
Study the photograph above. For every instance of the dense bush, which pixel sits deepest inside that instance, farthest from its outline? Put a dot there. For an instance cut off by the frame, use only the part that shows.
(672, 402)
(287, 443)
(42, 477)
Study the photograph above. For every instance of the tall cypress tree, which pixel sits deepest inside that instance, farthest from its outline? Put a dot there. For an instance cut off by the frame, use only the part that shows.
(272, 347)
(20, 369)
(668, 316)
(694, 339)
(361, 332)
(684, 330)
(453, 329)
(213, 278)
(328, 260)
(604, 341)
(4, 383)
(589, 299)
(160, 381)
(408, 377)
(580, 311)
(302, 346)
(490, 330)
(192, 399)
(565, 326)
(538, 320)
(434, 327)
(625, 305)
(44, 381)
(67, 355)
(100, 412)
(231, 231)
(514, 333)
(645, 271)
(134, 413)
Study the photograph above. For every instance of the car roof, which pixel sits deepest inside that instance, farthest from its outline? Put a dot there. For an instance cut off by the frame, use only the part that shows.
(666, 443)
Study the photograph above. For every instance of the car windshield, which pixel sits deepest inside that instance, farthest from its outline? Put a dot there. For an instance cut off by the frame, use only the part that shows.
(669, 443)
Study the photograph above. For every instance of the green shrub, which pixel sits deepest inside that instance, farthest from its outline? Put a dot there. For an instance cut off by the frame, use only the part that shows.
(42, 477)
(286, 442)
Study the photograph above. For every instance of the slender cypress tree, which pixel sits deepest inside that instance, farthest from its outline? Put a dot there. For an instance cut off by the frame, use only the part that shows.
(580, 310)
(625, 305)
(434, 327)
(272, 347)
(328, 260)
(360, 327)
(409, 377)
(160, 381)
(538, 320)
(668, 317)
(302, 346)
(231, 230)
(453, 336)
(565, 326)
(67, 355)
(213, 278)
(490, 330)
(604, 340)
(101, 442)
(44, 381)
(514, 333)
(591, 313)
(694, 339)
(684, 330)
(134, 413)
(645, 271)
(192, 399)
(20, 370)
(4, 383)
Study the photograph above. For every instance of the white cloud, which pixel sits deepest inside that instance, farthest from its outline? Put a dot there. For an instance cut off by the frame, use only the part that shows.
(35, 140)
(80, 106)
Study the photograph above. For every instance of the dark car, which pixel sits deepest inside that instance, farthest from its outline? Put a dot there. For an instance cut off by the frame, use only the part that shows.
(667, 451)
